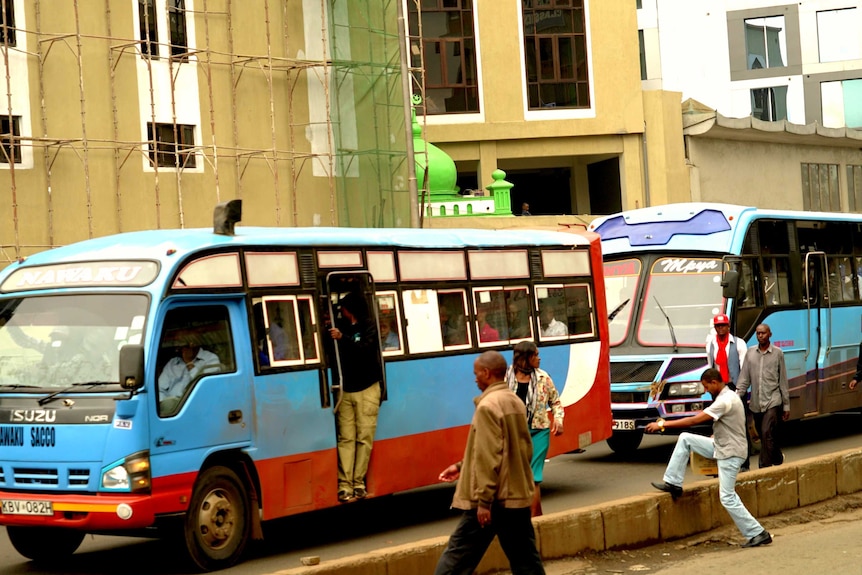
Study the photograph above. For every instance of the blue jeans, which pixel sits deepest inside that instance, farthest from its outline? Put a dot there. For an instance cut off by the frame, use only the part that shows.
(727, 471)
(469, 541)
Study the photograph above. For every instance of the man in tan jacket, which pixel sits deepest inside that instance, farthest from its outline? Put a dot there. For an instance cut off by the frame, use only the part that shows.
(495, 481)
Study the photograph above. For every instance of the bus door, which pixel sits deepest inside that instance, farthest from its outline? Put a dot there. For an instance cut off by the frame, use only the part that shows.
(342, 287)
(818, 328)
(202, 388)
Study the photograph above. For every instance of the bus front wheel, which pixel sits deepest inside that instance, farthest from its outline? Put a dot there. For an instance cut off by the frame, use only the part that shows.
(44, 544)
(217, 525)
(625, 441)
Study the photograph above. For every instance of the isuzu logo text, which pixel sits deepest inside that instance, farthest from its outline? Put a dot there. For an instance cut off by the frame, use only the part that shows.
(33, 416)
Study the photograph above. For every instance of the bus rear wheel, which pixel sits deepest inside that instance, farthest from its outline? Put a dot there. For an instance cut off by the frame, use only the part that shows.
(625, 441)
(217, 526)
(45, 544)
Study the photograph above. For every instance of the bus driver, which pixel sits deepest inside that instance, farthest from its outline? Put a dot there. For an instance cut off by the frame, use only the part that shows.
(182, 369)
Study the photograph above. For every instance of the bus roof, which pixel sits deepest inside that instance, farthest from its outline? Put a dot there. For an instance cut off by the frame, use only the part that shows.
(695, 226)
(170, 246)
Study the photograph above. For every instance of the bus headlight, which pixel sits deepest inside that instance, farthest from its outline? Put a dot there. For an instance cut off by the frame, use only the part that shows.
(131, 474)
(690, 389)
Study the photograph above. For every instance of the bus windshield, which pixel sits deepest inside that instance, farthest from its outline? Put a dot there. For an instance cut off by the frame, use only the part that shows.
(51, 342)
(621, 282)
(682, 295)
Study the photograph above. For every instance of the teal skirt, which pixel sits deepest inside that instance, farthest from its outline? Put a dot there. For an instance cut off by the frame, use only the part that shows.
(541, 442)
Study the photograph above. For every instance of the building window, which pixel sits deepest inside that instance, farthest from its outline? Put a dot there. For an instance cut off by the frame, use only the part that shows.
(854, 188)
(841, 103)
(177, 29)
(820, 188)
(148, 28)
(7, 23)
(555, 41)
(171, 145)
(10, 139)
(643, 54)
(769, 104)
(837, 35)
(765, 42)
(449, 44)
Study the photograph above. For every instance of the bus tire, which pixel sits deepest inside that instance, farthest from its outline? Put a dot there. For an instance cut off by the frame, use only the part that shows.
(217, 525)
(44, 544)
(625, 441)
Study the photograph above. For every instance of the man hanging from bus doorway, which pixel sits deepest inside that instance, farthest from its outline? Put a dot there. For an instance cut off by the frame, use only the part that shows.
(726, 353)
(361, 373)
(764, 371)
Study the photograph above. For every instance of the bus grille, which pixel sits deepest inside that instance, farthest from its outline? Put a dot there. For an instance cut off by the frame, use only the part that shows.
(683, 365)
(634, 371)
(629, 397)
(35, 478)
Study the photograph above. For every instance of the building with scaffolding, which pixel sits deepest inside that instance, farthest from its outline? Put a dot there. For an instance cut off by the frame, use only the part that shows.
(141, 114)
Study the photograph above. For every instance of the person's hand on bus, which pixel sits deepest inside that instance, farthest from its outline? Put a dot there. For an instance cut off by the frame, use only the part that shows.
(334, 333)
(853, 383)
(483, 515)
(785, 416)
(556, 427)
(450, 474)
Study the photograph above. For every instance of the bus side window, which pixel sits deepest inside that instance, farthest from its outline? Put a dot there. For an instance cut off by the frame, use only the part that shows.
(746, 291)
(519, 321)
(389, 324)
(552, 307)
(452, 313)
(776, 289)
(579, 311)
(285, 331)
(491, 324)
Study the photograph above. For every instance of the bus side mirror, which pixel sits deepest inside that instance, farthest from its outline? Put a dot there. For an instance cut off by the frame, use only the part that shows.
(132, 366)
(730, 284)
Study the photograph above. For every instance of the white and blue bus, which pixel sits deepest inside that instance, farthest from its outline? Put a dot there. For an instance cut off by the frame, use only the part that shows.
(669, 269)
(91, 442)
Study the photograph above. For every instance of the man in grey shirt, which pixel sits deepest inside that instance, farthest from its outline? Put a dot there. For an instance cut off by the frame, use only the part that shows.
(727, 446)
(764, 371)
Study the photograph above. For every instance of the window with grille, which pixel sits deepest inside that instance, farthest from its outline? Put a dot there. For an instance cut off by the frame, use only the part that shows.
(149, 31)
(555, 45)
(177, 29)
(7, 22)
(171, 145)
(820, 188)
(854, 188)
(10, 143)
(449, 44)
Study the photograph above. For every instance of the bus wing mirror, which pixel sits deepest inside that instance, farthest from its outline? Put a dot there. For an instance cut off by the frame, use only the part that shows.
(730, 283)
(132, 366)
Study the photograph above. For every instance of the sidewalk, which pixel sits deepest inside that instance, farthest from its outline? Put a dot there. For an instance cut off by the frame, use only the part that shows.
(820, 538)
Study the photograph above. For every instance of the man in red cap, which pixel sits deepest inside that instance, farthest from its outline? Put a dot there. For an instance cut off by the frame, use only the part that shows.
(726, 353)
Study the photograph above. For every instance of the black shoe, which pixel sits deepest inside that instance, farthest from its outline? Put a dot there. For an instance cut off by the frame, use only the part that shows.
(345, 496)
(762, 538)
(674, 490)
(360, 493)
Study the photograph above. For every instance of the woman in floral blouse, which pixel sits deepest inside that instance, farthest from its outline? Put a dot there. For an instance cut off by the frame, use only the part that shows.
(536, 389)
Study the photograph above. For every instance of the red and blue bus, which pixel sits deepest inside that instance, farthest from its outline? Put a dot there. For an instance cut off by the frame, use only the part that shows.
(90, 442)
(670, 269)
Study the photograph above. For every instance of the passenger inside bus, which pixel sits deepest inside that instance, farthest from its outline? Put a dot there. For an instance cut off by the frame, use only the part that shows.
(190, 362)
(452, 326)
(487, 333)
(551, 327)
(518, 320)
(388, 338)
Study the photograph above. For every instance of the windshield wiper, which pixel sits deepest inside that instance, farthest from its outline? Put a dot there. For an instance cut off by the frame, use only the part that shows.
(618, 309)
(51, 396)
(16, 385)
(669, 325)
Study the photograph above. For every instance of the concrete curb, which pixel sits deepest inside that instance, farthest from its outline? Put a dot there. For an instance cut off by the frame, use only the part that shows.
(634, 521)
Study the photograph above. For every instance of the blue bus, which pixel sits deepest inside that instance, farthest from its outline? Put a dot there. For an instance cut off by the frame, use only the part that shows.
(94, 438)
(669, 269)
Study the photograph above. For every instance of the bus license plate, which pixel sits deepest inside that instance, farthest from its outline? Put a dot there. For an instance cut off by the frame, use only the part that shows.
(20, 507)
(624, 425)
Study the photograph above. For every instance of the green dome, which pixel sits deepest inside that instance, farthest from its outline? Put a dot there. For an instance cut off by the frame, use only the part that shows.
(442, 173)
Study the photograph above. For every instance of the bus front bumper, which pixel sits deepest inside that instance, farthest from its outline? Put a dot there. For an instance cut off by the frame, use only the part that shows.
(101, 512)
